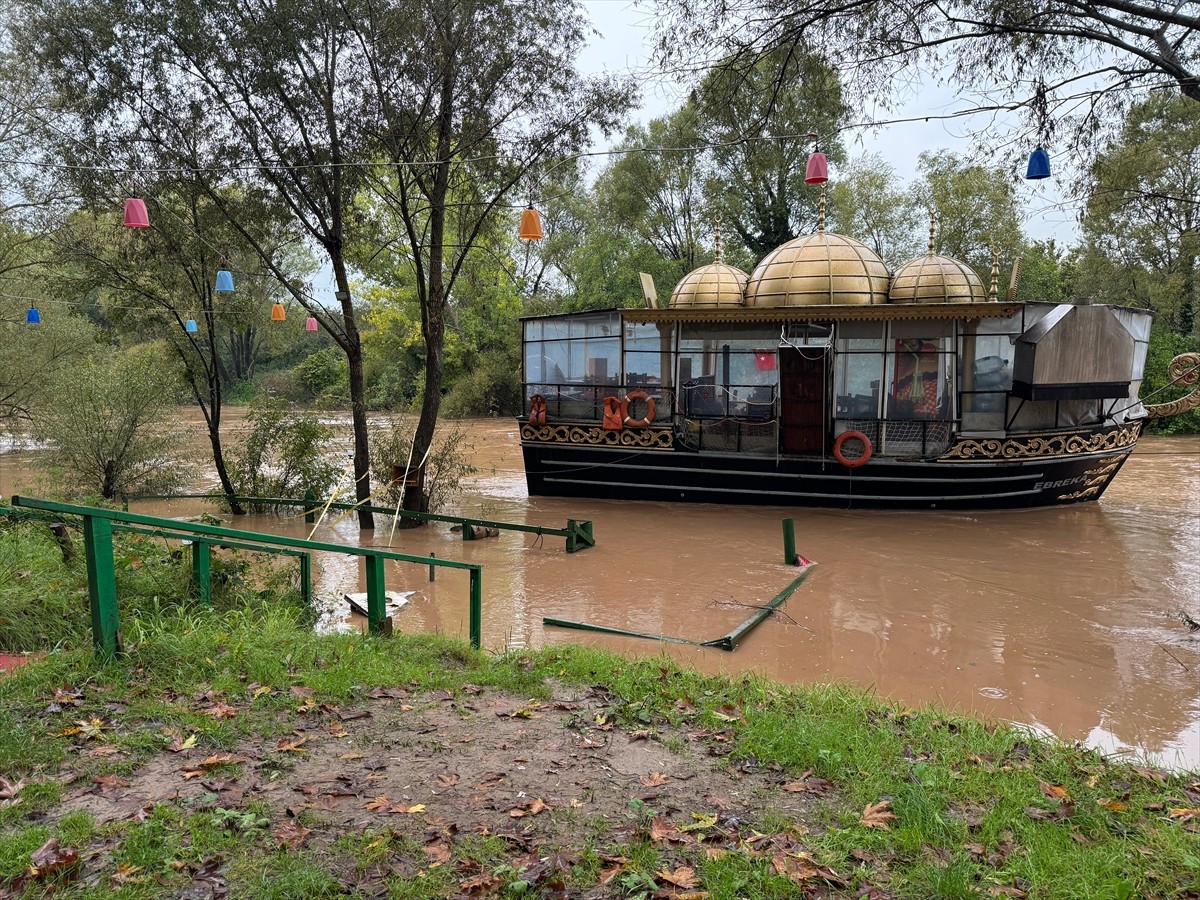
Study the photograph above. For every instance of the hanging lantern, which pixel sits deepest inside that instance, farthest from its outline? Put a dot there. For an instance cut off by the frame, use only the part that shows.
(531, 225)
(190, 326)
(817, 169)
(278, 313)
(310, 324)
(1039, 164)
(224, 282)
(33, 317)
(135, 213)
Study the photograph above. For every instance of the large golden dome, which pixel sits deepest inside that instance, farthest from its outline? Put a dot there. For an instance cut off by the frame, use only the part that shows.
(717, 284)
(822, 269)
(936, 279)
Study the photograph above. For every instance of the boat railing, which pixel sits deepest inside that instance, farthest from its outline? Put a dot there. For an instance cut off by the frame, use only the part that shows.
(585, 402)
(905, 438)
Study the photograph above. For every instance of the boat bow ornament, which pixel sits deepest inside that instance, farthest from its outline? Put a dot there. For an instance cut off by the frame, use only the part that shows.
(1184, 369)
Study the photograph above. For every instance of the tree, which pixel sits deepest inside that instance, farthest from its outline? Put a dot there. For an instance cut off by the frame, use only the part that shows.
(474, 97)
(1141, 227)
(1090, 57)
(976, 210)
(104, 420)
(869, 205)
(763, 119)
(34, 353)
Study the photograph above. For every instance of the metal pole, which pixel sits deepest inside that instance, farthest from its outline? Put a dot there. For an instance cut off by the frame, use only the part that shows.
(789, 542)
(310, 515)
(476, 608)
(306, 578)
(376, 598)
(202, 570)
(432, 569)
(102, 585)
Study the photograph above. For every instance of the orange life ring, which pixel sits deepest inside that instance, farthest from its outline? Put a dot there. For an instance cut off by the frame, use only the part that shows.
(614, 414)
(537, 410)
(645, 421)
(852, 462)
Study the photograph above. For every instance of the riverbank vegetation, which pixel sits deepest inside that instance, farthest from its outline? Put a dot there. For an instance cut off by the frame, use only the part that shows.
(232, 752)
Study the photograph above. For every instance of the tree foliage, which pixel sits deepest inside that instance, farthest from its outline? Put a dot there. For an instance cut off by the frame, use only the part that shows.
(104, 419)
(1062, 62)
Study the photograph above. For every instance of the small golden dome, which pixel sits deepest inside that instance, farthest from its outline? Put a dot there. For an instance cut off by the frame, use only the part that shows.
(717, 284)
(822, 269)
(936, 279)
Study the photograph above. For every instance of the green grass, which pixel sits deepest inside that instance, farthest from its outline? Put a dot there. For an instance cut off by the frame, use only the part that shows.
(974, 803)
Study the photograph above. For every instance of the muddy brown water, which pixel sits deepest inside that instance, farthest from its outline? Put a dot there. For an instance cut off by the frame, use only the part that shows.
(1067, 620)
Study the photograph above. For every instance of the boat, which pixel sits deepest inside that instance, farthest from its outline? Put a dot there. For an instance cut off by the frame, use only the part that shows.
(823, 379)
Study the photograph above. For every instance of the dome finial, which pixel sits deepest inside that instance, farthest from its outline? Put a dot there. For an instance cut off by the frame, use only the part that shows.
(821, 213)
(720, 249)
(994, 290)
(932, 228)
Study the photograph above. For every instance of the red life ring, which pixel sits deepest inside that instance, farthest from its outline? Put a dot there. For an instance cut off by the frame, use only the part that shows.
(537, 410)
(628, 401)
(856, 461)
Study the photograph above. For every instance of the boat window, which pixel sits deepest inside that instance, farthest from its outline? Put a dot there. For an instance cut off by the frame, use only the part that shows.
(648, 353)
(985, 377)
(729, 372)
(857, 375)
(572, 361)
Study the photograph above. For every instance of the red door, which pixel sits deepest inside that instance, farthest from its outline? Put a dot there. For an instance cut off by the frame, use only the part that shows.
(802, 399)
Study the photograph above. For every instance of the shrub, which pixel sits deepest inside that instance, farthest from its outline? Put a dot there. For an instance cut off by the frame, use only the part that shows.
(493, 388)
(283, 455)
(445, 468)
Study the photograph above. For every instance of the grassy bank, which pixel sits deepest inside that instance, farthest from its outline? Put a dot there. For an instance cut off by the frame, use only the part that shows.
(233, 753)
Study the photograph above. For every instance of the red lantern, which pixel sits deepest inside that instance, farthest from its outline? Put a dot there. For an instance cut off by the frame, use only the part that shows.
(135, 213)
(817, 170)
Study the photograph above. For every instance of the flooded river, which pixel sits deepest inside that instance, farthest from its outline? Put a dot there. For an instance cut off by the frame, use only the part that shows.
(1068, 620)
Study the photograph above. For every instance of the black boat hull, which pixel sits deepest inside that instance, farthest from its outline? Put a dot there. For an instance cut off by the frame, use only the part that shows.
(1043, 472)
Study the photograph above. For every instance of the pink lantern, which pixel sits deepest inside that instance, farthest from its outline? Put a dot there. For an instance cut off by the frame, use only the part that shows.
(310, 324)
(135, 213)
(817, 170)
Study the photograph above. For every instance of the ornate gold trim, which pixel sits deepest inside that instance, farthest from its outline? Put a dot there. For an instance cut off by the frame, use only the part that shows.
(1039, 446)
(1184, 369)
(640, 438)
(1097, 478)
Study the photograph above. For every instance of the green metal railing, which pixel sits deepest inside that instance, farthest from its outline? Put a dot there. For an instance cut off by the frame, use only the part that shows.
(99, 524)
(578, 533)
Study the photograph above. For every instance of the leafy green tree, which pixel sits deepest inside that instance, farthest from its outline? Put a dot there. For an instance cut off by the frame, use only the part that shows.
(33, 354)
(758, 117)
(868, 204)
(105, 420)
(976, 209)
(284, 454)
(1141, 227)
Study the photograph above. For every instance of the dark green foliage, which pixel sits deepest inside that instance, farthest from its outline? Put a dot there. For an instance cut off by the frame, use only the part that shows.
(285, 454)
(1156, 388)
(491, 388)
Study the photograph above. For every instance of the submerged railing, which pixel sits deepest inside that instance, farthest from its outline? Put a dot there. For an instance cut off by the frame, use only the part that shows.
(99, 524)
(578, 533)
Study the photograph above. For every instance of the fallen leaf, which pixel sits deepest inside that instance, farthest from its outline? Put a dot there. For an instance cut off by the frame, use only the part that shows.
(438, 852)
(221, 711)
(877, 815)
(801, 867)
(124, 874)
(479, 885)
(8, 790)
(701, 822)
(290, 745)
(684, 877)
(654, 779)
(817, 786)
(378, 803)
(446, 779)
(1113, 805)
(50, 858)
(417, 808)
(222, 759)
(1184, 814)
(1054, 791)
(663, 831)
(291, 834)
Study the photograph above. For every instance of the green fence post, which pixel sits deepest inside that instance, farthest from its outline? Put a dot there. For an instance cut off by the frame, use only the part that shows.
(476, 607)
(789, 542)
(102, 585)
(572, 539)
(306, 578)
(310, 515)
(202, 569)
(468, 534)
(376, 598)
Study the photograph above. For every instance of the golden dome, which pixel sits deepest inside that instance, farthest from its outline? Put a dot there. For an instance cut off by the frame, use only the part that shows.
(822, 269)
(936, 279)
(717, 284)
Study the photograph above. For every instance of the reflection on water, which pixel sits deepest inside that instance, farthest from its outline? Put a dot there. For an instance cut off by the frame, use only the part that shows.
(1064, 619)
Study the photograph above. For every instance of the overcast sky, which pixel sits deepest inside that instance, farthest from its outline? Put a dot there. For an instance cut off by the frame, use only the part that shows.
(624, 45)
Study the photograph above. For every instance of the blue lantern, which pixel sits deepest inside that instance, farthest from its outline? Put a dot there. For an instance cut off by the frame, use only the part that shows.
(33, 317)
(224, 281)
(1039, 164)
(191, 327)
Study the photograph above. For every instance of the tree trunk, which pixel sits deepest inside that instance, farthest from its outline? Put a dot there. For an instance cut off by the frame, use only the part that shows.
(214, 438)
(358, 396)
